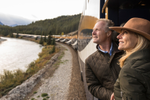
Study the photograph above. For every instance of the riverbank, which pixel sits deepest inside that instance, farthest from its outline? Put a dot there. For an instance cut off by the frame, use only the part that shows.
(34, 88)
(59, 80)
(17, 54)
(65, 83)
(1, 40)
(11, 79)
(56, 86)
(21, 91)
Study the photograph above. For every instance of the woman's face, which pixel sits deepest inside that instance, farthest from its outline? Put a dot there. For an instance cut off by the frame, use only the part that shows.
(127, 40)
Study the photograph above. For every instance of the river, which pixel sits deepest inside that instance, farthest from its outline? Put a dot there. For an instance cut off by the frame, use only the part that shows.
(17, 54)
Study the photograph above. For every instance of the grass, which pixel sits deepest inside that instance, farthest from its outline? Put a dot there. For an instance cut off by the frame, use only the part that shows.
(35, 92)
(59, 60)
(44, 94)
(11, 79)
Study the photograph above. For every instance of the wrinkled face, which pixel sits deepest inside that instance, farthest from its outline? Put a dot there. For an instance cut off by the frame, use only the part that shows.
(99, 35)
(127, 40)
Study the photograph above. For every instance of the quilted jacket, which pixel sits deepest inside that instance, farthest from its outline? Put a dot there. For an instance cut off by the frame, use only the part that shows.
(102, 71)
(134, 78)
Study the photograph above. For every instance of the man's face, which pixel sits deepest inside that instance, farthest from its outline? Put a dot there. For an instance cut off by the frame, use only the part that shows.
(99, 35)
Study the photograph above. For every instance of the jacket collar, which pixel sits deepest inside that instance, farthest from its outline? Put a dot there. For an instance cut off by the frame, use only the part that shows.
(114, 51)
(114, 48)
(140, 54)
(111, 49)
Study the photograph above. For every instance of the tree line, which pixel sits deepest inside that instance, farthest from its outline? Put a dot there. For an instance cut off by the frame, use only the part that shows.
(57, 26)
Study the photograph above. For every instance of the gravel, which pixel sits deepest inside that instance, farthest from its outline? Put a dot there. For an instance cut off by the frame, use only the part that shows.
(57, 86)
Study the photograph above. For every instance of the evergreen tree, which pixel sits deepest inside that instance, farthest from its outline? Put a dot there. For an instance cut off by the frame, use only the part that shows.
(41, 40)
(45, 38)
(17, 35)
(11, 35)
(49, 38)
(53, 41)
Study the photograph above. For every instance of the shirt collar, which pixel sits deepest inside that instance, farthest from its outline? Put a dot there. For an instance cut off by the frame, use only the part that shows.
(111, 49)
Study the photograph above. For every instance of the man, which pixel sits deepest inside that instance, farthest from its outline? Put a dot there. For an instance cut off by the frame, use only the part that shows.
(102, 67)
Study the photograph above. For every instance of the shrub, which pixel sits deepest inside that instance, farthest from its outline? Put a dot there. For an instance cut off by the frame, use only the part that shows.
(53, 50)
(44, 94)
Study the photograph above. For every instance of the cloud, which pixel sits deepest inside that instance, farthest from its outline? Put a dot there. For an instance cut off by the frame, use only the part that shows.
(12, 19)
(34, 16)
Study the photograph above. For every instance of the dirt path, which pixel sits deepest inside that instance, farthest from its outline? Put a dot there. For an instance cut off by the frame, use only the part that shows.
(65, 84)
(76, 89)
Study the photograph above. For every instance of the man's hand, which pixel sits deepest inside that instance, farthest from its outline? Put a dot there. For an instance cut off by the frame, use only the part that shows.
(112, 97)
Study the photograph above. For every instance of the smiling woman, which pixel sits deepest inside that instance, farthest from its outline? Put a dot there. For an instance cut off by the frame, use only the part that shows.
(127, 40)
(133, 79)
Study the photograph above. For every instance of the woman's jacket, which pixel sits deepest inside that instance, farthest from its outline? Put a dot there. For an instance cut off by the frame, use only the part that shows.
(134, 78)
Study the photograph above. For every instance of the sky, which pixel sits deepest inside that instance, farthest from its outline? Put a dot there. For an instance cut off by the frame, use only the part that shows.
(41, 9)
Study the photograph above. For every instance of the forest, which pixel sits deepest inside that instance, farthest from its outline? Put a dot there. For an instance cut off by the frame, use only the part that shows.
(57, 26)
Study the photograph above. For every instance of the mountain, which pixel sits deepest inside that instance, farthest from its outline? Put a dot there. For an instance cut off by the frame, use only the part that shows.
(55, 26)
(1, 23)
(65, 24)
(13, 25)
(11, 20)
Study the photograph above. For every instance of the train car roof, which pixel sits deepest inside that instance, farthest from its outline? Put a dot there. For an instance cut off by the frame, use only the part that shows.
(120, 4)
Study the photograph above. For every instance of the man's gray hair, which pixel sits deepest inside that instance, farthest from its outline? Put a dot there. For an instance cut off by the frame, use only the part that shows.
(109, 23)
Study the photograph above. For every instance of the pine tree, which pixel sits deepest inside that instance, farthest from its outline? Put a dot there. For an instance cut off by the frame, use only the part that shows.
(11, 35)
(17, 35)
(53, 41)
(49, 38)
(45, 38)
(41, 40)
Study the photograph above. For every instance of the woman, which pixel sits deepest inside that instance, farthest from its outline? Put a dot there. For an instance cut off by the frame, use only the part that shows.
(133, 82)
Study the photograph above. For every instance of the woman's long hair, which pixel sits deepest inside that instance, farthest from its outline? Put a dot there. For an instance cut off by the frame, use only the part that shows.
(141, 44)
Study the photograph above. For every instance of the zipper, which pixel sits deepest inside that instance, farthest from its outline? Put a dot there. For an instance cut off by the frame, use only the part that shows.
(113, 69)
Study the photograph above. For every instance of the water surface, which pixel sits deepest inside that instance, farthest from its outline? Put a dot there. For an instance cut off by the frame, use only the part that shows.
(17, 54)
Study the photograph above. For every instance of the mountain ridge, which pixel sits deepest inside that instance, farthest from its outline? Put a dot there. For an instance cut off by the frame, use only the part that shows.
(11, 20)
(1, 23)
(55, 26)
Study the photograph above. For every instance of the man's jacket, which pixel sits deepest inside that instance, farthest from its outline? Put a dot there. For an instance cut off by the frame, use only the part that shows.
(102, 72)
(134, 78)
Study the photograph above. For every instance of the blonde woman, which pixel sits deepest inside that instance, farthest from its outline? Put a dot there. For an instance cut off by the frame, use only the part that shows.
(133, 82)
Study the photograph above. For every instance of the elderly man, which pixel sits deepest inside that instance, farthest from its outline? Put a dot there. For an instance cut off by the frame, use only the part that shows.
(102, 67)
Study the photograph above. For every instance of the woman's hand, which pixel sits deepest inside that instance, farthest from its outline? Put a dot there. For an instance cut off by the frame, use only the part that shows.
(112, 97)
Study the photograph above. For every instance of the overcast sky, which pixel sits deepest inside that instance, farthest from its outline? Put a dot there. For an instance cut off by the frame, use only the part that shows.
(41, 9)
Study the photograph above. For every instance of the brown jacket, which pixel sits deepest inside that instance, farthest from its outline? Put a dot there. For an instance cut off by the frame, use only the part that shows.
(102, 72)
